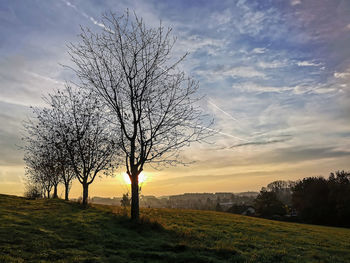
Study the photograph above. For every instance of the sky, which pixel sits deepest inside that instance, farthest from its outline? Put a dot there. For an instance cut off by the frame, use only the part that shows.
(275, 75)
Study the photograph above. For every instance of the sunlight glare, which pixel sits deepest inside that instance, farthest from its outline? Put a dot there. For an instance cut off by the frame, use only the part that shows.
(142, 178)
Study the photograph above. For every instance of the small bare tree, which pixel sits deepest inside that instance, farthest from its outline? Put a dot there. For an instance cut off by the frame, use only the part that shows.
(41, 166)
(36, 176)
(46, 157)
(33, 190)
(130, 66)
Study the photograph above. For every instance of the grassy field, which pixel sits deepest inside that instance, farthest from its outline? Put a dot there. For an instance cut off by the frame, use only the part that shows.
(58, 231)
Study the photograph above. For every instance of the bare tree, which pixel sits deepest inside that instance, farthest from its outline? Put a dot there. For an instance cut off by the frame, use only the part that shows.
(130, 66)
(81, 129)
(41, 166)
(46, 157)
(36, 176)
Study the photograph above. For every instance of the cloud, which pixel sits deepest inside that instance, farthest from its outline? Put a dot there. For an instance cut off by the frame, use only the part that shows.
(301, 154)
(295, 2)
(196, 43)
(259, 50)
(10, 134)
(271, 64)
(243, 72)
(221, 18)
(21, 85)
(341, 75)
(256, 88)
(308, 64)
(319, 23)
(45, 78)
(257, 22)
(221, 72)
(209, 177)
(259, 143)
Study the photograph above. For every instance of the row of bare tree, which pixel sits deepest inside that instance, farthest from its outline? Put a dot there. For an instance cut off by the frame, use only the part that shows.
(131, 104)
(70, 139)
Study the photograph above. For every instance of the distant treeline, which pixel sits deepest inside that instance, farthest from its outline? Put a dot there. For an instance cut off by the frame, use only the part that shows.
(314, 200)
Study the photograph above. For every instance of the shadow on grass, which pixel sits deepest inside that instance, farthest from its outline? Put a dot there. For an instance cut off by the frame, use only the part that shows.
(60, 231)
(177, 249)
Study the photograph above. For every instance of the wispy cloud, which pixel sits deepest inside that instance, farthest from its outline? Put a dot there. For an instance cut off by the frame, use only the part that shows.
(301, 154)
(243, 72)
(258, 143)
(259, 50)
(295, 2)
(24, 86)
(308, 64)
(256, 88)
(341, 75)
(46, 78)
(195, 43)
(271, 64)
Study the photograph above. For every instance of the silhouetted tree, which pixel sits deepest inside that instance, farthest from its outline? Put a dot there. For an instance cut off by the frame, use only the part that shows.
(339, 197)
(283, 190)
(33, 190)
(310, 199)
(267, 204)
(130, 66)
(40, 155)
(45, 153)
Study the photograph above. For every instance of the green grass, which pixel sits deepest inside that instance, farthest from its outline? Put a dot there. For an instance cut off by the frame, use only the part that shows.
(59, 231)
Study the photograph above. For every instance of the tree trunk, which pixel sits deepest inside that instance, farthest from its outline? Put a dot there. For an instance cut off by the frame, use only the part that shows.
(85, 194)
(66, 192)
(135, 210)
(48, 194)
(55, 191)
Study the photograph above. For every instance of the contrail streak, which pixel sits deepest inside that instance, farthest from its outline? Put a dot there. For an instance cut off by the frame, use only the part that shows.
(227, 114)
(93, 20)
(36, 75)
(224, 112)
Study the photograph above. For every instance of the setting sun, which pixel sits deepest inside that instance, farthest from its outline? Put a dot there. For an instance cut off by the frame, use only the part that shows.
(142, 178)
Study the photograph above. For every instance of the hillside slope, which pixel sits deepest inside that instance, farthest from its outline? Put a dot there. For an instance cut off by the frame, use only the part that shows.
(58, 231)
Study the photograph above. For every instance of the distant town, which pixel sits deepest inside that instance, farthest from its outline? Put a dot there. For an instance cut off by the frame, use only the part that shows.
(202, 201)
